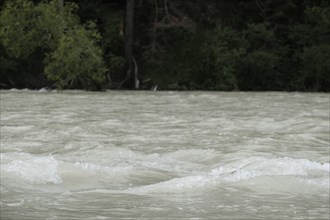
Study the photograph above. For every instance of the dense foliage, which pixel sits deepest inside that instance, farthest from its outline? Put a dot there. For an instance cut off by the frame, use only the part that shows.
(66, 51)
(198, 44)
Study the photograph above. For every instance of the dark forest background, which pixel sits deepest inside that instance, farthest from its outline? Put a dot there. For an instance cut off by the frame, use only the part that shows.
(241, 45)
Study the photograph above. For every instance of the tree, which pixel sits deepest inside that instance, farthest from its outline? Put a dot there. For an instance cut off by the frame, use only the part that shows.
(315, 55)
(77, 61)
(259, 69)
(132, 69)
(40, 31)
(224, 48)
(197, 44)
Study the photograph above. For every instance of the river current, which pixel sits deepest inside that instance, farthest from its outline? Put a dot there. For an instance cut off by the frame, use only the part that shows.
(164, 155)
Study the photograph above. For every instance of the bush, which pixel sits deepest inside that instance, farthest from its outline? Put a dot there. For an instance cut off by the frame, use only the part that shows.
(224, 49)
(316, 68)
(258, 71)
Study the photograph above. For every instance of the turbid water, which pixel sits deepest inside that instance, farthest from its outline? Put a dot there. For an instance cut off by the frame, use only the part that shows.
(164, 155)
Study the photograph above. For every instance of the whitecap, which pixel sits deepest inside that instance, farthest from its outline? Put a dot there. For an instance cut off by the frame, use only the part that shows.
(276, 167)
(34, 169)
(173, 186)
(43, 90)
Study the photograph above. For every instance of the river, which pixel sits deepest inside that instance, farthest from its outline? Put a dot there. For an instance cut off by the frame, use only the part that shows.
(164, 155)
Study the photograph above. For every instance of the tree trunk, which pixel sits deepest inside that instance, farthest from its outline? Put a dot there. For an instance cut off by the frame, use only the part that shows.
(61, 4)
(131, 74)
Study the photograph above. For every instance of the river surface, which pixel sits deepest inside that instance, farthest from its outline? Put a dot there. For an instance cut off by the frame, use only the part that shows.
(164, 155)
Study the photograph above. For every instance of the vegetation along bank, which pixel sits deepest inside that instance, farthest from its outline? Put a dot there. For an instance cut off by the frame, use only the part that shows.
(246, 45)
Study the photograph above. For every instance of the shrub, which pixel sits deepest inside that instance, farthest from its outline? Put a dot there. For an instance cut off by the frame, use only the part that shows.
(224, 49)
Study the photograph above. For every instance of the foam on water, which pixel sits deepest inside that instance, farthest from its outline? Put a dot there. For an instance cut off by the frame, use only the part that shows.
(33, 169)
(76, 154)
(168, 173)
(260, 166)
(42, 90)
(260, 173)
(271, 175)
(174, 173)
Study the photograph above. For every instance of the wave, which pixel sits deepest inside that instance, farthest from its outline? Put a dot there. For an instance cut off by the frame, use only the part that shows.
(260, 166)
(257, 173)
(136, 173)
(32, 169)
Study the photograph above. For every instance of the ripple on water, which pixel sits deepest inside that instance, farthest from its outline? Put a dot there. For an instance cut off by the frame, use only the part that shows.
(167, 154)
